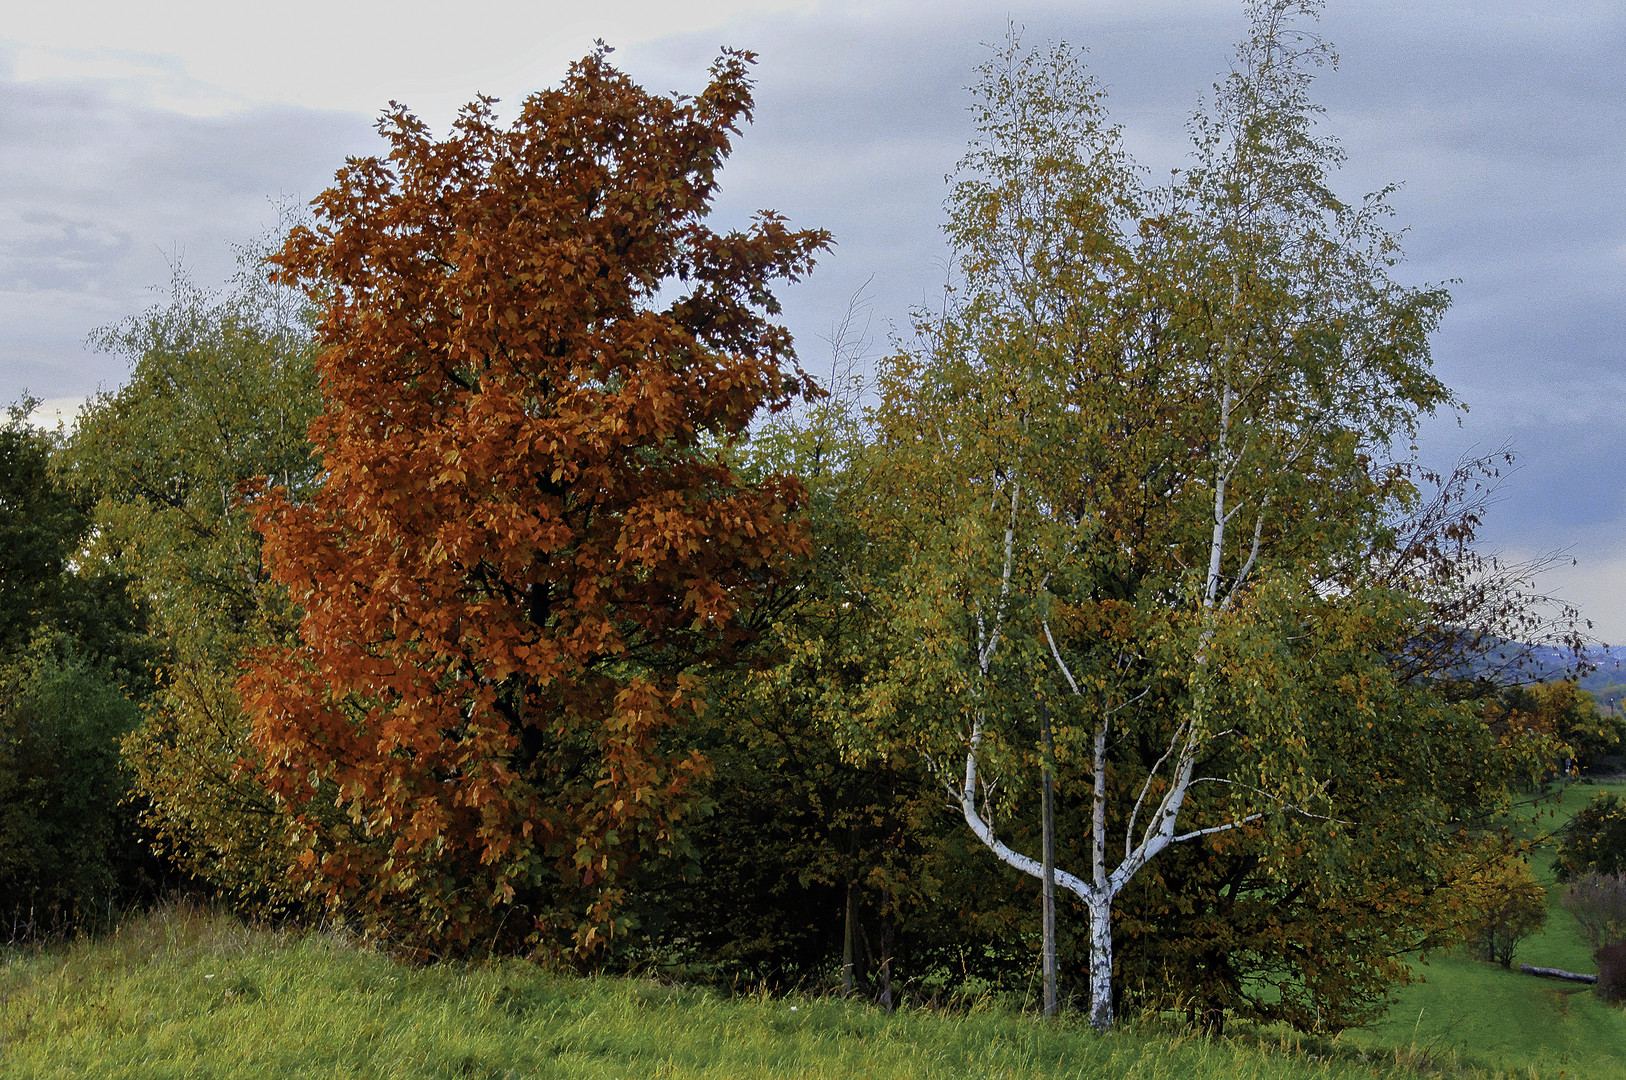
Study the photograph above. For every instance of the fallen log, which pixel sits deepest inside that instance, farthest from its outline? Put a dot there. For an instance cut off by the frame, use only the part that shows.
(1556, 973)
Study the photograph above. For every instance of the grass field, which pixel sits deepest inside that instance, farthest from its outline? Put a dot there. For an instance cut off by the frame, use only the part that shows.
(184, 993)
(1506, 1019)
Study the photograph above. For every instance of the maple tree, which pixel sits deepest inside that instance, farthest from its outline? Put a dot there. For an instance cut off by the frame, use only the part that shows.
(529, 537)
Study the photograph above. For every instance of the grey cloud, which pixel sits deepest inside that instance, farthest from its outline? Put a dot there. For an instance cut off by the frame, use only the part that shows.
(99, 196)
(1501, 120)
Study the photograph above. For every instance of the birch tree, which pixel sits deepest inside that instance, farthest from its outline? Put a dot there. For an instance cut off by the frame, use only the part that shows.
(1138, 465)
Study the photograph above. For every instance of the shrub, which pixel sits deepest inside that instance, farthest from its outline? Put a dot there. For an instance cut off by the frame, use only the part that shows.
(1595, 840)
(1598, 902)
(1513, 907)
(66, 842)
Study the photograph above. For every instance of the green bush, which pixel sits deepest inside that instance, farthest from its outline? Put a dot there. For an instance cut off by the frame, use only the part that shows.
(1595, 840)
(1512, 906)
(66, 839)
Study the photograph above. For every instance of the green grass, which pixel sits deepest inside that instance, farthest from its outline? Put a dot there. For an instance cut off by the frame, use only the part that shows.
(184, 993)
(187, 994)
(1503, 1018)
(1480, 1013)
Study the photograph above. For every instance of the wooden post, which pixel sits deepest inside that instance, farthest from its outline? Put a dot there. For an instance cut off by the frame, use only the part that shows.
(847, 945)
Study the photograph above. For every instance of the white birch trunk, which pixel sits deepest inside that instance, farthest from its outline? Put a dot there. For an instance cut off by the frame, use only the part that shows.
(1106, 882)
(1101, 1017)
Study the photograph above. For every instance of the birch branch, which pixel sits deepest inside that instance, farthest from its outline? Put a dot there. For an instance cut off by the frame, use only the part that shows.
(1215, 829)
(1283, 803)
(1253, 555)
(1146, 787)
(1059, 661)
(985, 656)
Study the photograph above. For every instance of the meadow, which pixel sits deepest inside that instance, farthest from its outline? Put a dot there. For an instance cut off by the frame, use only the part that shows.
(188, 992)
(1504, 1018)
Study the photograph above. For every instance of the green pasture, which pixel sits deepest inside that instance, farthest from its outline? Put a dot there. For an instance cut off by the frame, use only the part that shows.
(1505, 1019)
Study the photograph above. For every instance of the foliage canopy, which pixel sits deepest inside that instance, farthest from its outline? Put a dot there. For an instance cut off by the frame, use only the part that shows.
(534, 354)
(221, 390)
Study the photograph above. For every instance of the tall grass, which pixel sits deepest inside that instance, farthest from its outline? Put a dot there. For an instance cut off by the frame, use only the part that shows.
(185, 993)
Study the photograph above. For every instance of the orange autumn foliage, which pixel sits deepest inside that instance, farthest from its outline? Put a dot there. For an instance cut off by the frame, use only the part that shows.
(529, 541)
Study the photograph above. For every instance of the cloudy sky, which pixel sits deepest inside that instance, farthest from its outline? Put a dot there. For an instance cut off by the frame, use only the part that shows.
(135, 138)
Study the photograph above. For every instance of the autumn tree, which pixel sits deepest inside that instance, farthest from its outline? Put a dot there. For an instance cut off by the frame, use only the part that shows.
(1517, 908)
(529, 540)
(1594, 840)
(1139, 474)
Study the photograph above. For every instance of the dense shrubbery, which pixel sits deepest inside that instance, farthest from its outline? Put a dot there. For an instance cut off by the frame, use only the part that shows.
(67, 840)
(73, 668)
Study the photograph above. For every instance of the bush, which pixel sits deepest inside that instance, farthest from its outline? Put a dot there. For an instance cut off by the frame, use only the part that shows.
(1595, 840)
(1598, 902)
(1513, 907)
(67, 843)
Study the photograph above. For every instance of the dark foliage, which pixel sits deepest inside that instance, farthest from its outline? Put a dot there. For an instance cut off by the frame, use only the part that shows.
(73, 664)
(1594, 842)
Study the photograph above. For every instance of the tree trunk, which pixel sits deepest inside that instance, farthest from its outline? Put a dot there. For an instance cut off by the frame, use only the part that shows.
(848, 930)
(1049, 860)
(1100, 963)
(1557, 973)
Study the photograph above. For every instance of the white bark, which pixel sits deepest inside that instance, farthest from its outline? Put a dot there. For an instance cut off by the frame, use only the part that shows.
(1101, 1018)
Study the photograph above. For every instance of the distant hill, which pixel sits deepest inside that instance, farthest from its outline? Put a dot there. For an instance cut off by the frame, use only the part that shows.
(1606, 681)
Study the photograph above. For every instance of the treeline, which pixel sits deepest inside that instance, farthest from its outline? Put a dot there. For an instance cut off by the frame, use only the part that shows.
(494, 578)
